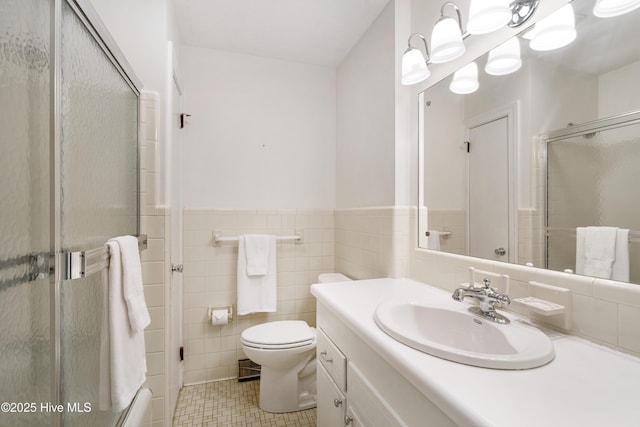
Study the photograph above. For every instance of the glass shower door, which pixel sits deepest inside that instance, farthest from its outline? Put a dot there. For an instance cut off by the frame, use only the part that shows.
(68, 182)
(26, 369)
(592, 180)
(99, 200)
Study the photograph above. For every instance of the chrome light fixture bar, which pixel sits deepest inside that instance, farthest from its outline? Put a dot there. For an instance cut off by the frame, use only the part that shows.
(448, 35)
(521, 11)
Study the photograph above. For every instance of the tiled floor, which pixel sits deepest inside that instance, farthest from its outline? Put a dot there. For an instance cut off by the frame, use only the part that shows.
(232, 403)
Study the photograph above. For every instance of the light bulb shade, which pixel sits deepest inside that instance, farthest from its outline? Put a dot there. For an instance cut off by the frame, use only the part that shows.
(486, 16)
(446, 41)
(504, 59)
(414, 67)
(465, 80)
(609, 8)
(555, 31)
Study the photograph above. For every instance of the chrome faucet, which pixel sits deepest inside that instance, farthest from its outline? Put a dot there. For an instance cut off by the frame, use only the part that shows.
(487, 296)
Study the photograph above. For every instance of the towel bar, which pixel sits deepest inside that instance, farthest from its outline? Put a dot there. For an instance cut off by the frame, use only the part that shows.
(85, 263)
(218, 239)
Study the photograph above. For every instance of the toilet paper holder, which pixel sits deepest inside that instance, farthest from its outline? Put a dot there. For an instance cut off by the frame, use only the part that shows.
(229, 309)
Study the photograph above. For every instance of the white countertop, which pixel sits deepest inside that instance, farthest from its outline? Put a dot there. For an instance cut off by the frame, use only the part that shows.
(585, 385)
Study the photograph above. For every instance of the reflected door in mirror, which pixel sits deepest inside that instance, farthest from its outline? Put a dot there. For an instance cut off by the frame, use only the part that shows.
(489, 190)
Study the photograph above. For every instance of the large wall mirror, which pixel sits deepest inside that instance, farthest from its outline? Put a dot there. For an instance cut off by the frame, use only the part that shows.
(541, 166)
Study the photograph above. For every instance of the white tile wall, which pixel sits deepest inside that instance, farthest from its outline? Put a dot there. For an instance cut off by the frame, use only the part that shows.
(531, 237)
(212, 352)
(372, 242)
(155, 223)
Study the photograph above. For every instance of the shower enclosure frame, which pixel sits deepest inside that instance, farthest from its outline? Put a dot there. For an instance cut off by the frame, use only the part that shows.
(96, 28)
(583, 129)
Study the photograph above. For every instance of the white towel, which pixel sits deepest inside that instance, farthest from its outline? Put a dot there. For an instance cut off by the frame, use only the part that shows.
(123, 365)
(620, 268)
(603, 252)
(433, 240)
(256, 249)
(257, 293)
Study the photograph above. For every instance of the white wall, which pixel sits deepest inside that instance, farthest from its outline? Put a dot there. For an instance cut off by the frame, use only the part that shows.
(445, 183)
(365, 153)
(614, 83)
(261, 135)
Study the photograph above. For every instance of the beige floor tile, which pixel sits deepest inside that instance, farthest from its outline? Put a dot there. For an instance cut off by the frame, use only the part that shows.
(231, 403)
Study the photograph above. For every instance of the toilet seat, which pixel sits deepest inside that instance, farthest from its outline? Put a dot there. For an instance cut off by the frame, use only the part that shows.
(279, 335)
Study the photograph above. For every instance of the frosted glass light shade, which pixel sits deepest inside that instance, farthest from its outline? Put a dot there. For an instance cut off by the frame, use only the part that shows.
(486, 16)
(555, 31)
(609, 8)
(414, 67)
(504, 59)
(446, 41)
(465, 80)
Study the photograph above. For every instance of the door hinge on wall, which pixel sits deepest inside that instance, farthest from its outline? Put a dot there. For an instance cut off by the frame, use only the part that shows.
(468, 144)
(181, 353)
(182, 116)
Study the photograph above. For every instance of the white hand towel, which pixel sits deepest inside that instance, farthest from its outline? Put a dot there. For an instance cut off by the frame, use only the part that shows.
(257, 293)
(256, 249)
(595, 251)
(123, 365)
(433, 240)
(620, 268)
(132, 285)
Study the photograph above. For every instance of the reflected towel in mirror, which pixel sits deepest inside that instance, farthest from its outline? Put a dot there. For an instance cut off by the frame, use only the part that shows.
(433, 240)
(603, 252)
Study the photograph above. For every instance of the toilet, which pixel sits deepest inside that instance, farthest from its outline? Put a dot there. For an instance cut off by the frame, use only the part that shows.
(286, 351)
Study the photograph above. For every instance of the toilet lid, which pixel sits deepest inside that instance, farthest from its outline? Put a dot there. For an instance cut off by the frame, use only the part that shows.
(280, 332)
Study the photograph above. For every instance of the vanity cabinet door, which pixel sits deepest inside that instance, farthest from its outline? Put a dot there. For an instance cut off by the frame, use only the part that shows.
(367, 407)
(331, 401)
(332, 359)
(353, 418)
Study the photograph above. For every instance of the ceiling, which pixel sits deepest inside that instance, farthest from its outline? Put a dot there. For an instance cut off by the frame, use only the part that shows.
(319, 32)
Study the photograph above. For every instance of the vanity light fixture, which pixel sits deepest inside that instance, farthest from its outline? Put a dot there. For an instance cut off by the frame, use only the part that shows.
(465, 80)
(446, 37)
(521, 11)
(610, 8)
(486, 16)
(555, 31)
(504, 59)
(414, 65)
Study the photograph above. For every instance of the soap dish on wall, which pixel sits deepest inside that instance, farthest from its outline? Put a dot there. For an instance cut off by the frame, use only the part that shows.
(547, 300)
(540, 306)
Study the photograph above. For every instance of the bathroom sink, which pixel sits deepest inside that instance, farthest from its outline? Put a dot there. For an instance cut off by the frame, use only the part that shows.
(457, 335)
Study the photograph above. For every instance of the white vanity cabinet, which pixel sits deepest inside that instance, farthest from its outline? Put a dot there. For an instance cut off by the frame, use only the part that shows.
(332, 402)
(331, 383)
(356, 387)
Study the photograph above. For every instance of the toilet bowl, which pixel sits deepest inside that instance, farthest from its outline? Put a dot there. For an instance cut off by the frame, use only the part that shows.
(286, 350)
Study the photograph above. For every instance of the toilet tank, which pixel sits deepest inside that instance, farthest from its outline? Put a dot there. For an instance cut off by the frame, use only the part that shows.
(332, 277)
